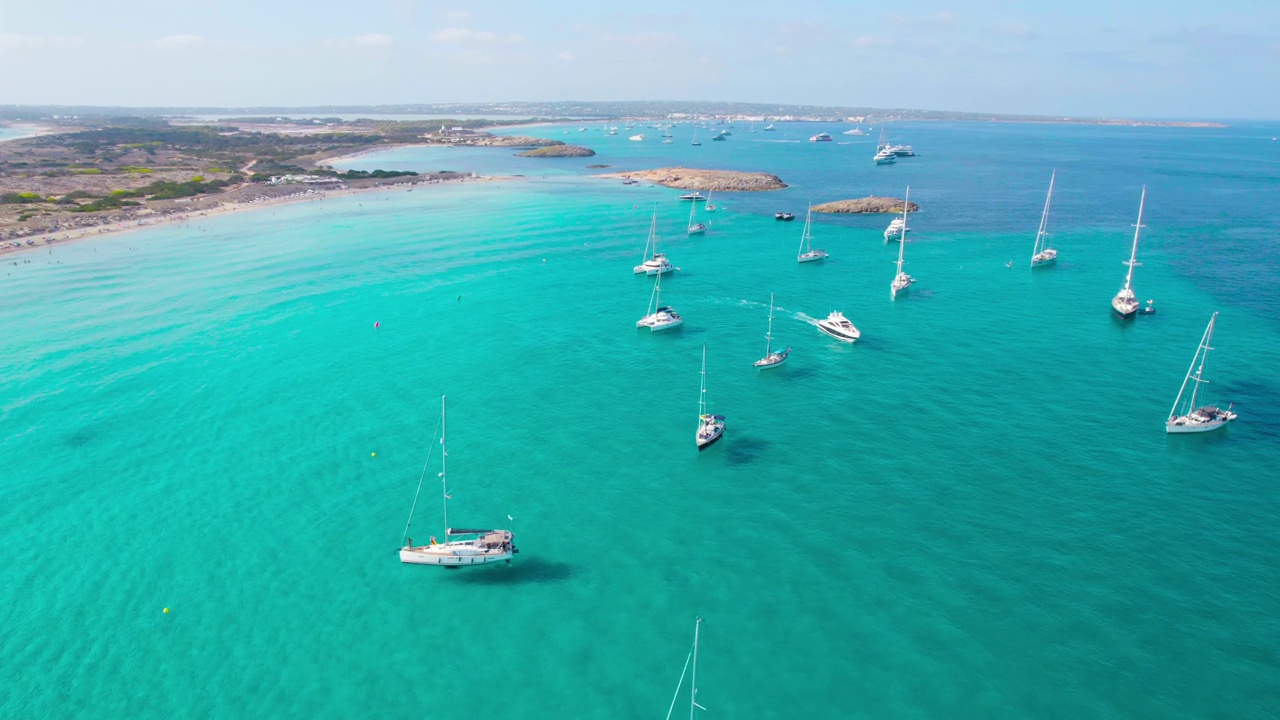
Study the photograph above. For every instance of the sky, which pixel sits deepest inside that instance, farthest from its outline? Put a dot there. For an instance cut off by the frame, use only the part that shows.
(1172, 59)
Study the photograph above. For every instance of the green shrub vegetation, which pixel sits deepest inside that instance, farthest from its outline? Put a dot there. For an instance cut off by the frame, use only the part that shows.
(18, 198)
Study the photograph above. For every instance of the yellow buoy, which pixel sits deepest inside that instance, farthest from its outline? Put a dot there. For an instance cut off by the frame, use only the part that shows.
(373, 454)
(166, 611)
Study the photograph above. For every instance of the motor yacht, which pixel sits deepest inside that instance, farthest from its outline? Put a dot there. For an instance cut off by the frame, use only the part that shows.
(838, 326)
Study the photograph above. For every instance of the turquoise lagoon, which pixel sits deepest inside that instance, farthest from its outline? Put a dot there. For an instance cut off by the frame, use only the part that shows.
(972, 513)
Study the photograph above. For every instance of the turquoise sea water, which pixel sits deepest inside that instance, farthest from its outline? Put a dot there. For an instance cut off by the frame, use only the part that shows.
(974, 512)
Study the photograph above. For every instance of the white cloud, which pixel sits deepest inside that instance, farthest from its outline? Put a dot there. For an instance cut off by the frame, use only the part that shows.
(179, 41)
(1012, 29)
(565, 56)
(13, 40)
(373, 40)
(468, 36)
(366, 40)
(872, 41)
(937, 19)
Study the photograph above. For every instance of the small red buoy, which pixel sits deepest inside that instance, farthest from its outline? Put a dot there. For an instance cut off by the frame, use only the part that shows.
(377, 325)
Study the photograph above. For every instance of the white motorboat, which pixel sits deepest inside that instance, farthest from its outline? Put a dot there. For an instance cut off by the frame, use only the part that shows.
(636, 138)
(1042, 254)
(710, 427)
(838, 326)
(694, 196)
(1186, 417)
(473, 546)
(821, 137)
(657, 263)
(855, 131)
(769, 128)
(896, 230)
(772, 358)
(884, 157)
(659, 317)
(902, 150)
(902, 281)
(1125, 303)
(807, 253)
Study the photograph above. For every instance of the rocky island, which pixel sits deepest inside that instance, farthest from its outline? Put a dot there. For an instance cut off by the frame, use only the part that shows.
(709, 180)
(869, 204)
(558, 151)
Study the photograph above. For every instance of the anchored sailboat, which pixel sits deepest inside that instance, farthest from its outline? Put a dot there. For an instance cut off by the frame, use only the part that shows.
(481, 547)
(657, 263)
(1043, 254)
(902, 281)
(710, 427)
(1125, 303)
(772, 358)
(695, 228)
(1186, 417)
(659, 317)
(807, 252)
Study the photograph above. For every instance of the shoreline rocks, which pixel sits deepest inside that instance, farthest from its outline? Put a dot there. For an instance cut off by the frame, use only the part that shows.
(869, 204)
(708, 180)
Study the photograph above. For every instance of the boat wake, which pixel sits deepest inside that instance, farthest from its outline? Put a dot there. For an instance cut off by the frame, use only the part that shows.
(805, 318)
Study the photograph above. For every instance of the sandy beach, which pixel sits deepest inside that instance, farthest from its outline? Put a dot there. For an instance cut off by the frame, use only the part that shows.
(257, 197)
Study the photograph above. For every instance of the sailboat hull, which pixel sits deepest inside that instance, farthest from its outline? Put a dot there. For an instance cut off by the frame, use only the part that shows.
(813, 256)
(1174, 429)
(706, 442)
(773, 360)
(421, 556)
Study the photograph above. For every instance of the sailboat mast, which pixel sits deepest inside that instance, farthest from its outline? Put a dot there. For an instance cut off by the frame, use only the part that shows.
(702, 388)
(693, 679)
(1204, 355)
(768, 336)
(902, 237)
(1044, 217)
(1137, 229)
(444, 458)
(652, 244)
(693, 206)
(804, 236)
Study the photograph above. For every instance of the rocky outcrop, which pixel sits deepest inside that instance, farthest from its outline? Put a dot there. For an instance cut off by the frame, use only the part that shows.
(597, 167)
(558, 151)
(869, 204)
(708, 180)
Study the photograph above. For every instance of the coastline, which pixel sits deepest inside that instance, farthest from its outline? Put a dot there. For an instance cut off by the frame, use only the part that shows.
(63, 237)
(33, 130)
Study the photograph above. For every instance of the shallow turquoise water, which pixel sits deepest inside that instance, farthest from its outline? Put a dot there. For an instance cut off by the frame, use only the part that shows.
(973, 512)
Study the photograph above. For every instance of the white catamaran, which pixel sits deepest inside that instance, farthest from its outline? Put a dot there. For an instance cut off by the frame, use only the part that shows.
(694, 707)
(1185, 417)
(772, 358)
(657, 263)
(808, 253)
(659, 317)
(1043, 254)
(710, 427)
(1125, 303)
(477, 547)
(902, 281)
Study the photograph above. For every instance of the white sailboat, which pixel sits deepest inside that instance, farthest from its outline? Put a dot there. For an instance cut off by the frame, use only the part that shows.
(772, 358)
(902, 281)
(657, 263)
(709, 207)
(695, 137)
(694, 707)
(695, 228)
(1125, 303)
(1043, 254)
(1186, 417)
(659, 317)
(710, 427)
(807, 253)
(478, 547)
